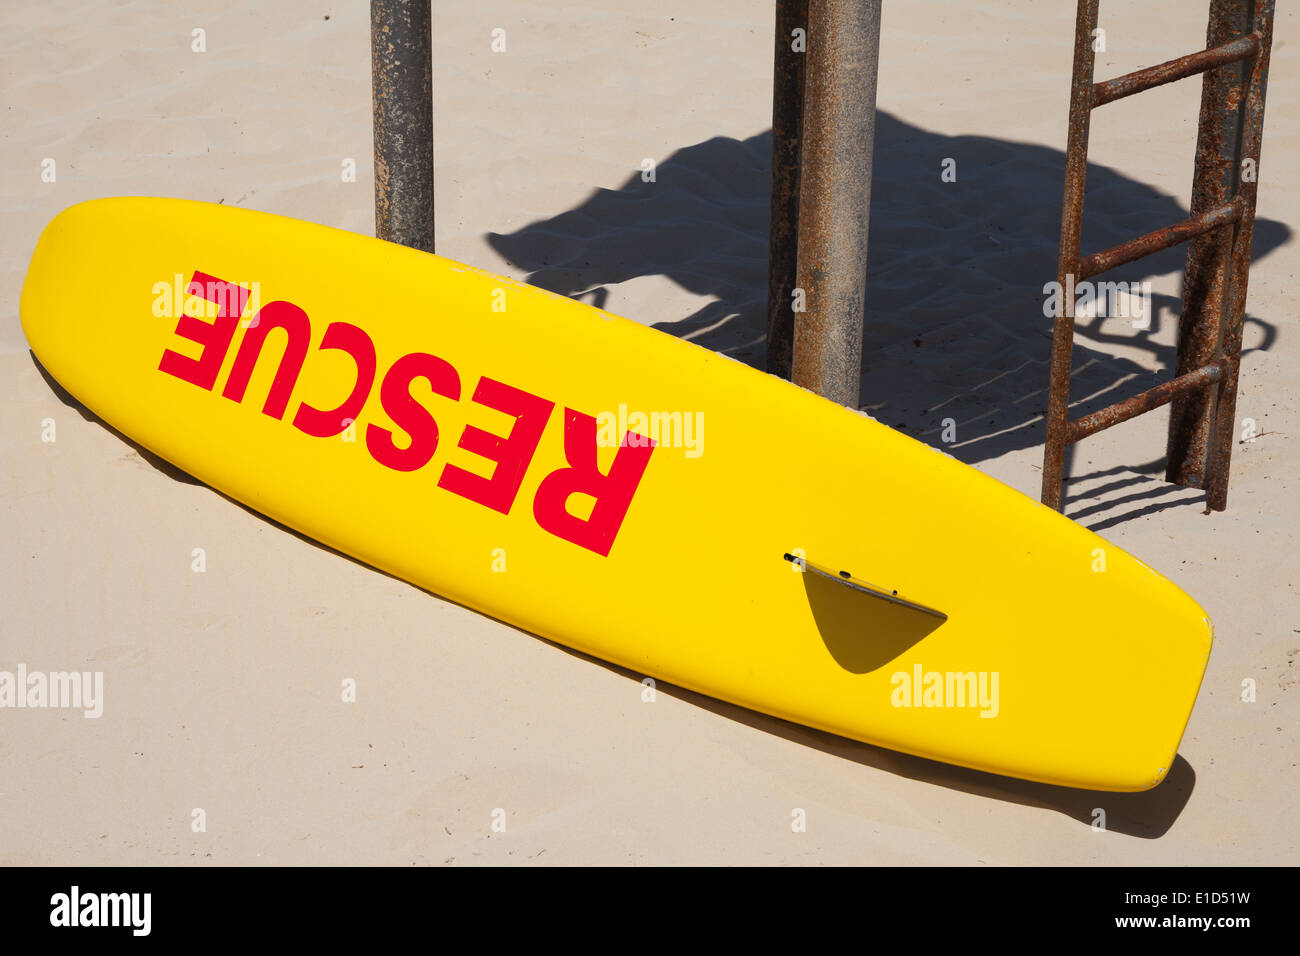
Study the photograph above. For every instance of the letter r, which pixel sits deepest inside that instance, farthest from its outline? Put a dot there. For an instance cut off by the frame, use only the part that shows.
(612, 493)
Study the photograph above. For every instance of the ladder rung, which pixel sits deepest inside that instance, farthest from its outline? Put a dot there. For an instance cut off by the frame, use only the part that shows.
(1108, 91)
(1155, 241)
(1163, 394)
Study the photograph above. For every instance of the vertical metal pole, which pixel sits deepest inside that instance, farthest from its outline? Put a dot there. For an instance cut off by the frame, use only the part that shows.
(787, 137)
(1067, 265)
(401, 71)
(839, 128)
(1200, 325)
(1252, 133)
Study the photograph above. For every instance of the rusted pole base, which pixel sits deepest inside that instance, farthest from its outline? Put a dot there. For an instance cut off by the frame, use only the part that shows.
(839, 127)
(1076, 168)
(1200, 324)
(401, 71)
(1224, 431)
(787, 137)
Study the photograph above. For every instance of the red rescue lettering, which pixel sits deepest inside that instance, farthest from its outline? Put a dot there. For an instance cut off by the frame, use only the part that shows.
(275, 315)
(511, 454)
(613, 492)
(214, 337)
(408, 414)
(327, 424)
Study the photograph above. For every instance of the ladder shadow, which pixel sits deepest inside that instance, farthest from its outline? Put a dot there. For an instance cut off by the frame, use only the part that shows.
(1098, 507)
(955, 335)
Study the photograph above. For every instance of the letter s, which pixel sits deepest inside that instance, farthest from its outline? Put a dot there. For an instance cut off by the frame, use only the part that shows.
(408, 414)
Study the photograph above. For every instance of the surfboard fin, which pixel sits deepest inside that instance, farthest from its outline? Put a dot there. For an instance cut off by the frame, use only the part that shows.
(857, 584)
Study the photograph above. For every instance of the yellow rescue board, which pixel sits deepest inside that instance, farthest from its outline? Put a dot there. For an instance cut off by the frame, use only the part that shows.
(492, 442)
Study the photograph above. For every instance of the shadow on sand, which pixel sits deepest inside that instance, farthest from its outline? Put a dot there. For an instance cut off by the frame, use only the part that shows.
(956, 272)
(1148, 814)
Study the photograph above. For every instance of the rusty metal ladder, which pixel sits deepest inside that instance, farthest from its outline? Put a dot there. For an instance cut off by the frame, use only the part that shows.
(1219, 229)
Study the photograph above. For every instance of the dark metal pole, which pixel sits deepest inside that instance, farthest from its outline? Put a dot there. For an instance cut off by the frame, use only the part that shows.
(787, 136)
(1076, 168)
(401, 70)
(839, 128)
(1219, 456)
(1200, 324)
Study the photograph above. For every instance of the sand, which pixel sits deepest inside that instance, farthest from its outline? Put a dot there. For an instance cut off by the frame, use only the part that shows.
(222, 689)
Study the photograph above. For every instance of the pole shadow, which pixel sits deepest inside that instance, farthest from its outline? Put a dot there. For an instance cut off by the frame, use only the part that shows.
(955, 330)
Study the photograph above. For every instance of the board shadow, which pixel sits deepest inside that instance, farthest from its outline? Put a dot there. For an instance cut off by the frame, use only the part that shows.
(1148, 815)
(72, 402)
